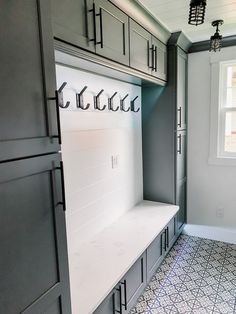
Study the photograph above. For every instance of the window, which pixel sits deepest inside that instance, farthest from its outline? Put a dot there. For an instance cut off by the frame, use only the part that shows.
(227, 110)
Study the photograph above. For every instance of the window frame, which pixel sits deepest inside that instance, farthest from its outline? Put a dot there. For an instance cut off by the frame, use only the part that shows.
(217, 153)
(223, 109)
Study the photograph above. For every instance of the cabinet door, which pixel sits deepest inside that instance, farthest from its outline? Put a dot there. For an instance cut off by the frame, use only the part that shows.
(181, 89)
(159, 59)
(33, 263)
(73, 22)
(133, 283)
(154, 256)
(181, 151)
(171, 232)
(112, 32)
(140, 48)
(181, 201)
(112, 303)
(28, 120)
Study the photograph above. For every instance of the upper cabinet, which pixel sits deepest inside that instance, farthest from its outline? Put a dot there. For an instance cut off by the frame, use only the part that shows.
(147, 53)
(73, 22)
(181, 81)
(100, 27)
(159, 51)
(28, 115)
(97, 26)
(112, 32)
(141, 56)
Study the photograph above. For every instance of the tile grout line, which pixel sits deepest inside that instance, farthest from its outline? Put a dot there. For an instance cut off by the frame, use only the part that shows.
(207, 262)
(225, 254)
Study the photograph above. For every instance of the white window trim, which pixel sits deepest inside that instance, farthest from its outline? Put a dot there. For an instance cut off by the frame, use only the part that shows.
(214, 153)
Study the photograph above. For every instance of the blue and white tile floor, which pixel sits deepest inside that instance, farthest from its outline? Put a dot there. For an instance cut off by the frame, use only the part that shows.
(198, 276)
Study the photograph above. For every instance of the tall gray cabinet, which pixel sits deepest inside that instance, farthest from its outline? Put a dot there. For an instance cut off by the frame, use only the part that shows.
(34, 276)
(164, 132)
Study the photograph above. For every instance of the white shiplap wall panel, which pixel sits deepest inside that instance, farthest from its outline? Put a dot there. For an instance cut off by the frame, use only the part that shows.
(96, 194)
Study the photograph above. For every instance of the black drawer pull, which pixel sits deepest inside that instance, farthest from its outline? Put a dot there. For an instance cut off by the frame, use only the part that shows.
(125, 294)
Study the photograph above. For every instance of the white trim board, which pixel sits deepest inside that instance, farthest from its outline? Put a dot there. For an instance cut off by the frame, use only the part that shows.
(213, 233)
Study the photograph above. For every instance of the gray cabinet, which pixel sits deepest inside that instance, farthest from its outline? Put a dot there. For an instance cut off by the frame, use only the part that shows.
(124, 296)
(181, 201)
(181, 154)
(112, 32)
(113, 302)
(154, 255)
(28, 119)
(164, 132)
(171, 229)
(181, 83)
(140, 48)
(159, 59)
(73, 22)
(134, 282)
(97, 26)
(34, 275)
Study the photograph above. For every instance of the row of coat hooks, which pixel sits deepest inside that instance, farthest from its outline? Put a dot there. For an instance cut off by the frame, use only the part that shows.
(97, 104)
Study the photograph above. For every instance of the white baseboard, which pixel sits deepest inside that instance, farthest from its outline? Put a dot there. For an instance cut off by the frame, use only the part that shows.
(212, 233)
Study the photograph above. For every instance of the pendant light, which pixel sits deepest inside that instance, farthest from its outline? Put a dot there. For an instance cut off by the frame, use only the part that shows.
(197, 12)
(216, 39)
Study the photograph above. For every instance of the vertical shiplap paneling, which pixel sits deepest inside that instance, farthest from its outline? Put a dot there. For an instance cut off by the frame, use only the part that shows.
(96, 194)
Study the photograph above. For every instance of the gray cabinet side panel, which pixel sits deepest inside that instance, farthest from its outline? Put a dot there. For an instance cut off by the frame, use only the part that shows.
(158, 145)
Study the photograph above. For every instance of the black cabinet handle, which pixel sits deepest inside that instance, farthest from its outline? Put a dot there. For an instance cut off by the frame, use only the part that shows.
(101, 28)
(61, 168)
(167, 237)
(155, 58)
(179, 150)
(120, 301)
(59, 104)
(125, 294)
(93, 10)
(161, 243)
(180, 116)
(151, 66)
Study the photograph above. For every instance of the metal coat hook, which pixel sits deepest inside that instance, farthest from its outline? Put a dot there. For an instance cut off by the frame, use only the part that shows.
(80, 99)
(133, 105)
(97, 101)
(59, 97)
(111, 103)
(122, 107)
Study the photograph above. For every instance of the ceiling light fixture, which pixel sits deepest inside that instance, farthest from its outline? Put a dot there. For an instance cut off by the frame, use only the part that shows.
(197, 12)
(216, 39)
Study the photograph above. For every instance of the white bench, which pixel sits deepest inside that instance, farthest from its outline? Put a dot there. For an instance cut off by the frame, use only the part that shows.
(98, 265)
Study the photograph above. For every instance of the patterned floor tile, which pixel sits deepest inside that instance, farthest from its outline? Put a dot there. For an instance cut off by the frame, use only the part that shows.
(197, 276)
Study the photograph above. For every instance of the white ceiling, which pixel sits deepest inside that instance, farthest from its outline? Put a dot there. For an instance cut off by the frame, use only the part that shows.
(173, 14)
